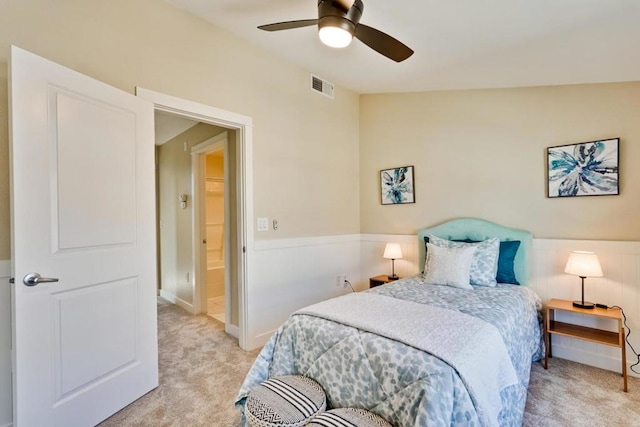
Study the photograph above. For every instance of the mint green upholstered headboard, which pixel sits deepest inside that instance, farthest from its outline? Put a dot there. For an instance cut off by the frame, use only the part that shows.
(479, 229)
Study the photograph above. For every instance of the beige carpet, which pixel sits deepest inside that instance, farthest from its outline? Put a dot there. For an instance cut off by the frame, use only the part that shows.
(201, 369)
(571, 394)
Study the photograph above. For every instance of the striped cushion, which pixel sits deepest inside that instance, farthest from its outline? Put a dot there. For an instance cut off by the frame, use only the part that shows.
(289, 401)
(348, 417)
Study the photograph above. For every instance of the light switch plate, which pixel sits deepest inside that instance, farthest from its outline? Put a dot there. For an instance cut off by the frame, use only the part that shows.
(263, 224)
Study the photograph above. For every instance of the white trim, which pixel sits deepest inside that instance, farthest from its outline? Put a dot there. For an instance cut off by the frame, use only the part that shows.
(212, 144)
(269, 245)
(177, 301)
(194, 110)
(8, 425)
(388, 237)
(197, 219)
(5, 268)
(244, 131)
(231, 330)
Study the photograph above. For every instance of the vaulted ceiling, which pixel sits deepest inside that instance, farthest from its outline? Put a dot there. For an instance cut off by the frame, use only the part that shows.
(459, 44)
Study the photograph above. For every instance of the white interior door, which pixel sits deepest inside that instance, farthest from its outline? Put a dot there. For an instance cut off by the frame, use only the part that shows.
(82, 187)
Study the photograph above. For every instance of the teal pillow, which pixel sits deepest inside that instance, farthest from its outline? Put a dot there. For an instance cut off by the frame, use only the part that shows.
(506, 258)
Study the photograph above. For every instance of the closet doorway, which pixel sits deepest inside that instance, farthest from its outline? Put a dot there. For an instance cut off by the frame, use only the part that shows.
(211, 179)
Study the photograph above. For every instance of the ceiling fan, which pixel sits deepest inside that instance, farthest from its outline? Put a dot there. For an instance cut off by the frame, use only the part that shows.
(339, 22)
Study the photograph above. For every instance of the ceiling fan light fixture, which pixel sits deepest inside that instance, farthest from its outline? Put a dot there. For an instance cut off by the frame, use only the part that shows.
(336, 32)
(339, 22)
(335, 37)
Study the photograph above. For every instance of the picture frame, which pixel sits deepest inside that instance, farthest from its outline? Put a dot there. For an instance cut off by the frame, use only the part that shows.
(584, 169)
(397, 186)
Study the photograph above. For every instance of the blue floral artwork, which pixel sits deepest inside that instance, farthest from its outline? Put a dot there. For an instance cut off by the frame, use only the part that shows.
(397, 185)
(585, 169)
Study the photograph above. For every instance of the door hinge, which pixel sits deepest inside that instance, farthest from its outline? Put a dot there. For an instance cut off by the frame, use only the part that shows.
(12, 280)
(244, 249)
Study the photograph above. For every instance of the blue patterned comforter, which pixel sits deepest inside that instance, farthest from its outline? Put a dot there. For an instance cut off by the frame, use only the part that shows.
(406, 386)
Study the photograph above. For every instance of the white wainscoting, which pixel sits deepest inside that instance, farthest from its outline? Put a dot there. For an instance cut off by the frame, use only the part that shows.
(6, 411)
(619, 286)
(289, 274)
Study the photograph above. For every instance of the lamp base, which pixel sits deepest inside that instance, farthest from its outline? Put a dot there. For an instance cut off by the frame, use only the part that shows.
(583, 304)
(393, 277)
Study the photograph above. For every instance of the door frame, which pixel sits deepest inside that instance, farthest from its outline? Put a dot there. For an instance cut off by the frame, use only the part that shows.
(198, 158)
(243, 125)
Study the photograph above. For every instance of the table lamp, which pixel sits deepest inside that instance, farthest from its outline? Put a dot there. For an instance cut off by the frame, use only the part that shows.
(583, 264)
(393, 252)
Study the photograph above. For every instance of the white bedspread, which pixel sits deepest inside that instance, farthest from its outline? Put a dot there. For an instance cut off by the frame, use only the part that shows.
(473, 347)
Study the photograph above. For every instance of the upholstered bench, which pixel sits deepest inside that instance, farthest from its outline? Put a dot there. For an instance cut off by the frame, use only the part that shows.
(348, 417)
(286, 401)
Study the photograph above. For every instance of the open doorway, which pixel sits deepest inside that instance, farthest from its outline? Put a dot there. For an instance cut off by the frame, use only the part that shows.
(214, 208)
(182, 225)
(213, 174)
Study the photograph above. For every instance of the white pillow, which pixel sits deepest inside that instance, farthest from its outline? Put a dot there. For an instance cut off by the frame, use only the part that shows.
(484, 266)
(448, 266)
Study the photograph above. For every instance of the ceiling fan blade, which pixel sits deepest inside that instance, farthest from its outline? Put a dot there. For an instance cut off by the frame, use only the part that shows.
(383, 43)
(288, 25)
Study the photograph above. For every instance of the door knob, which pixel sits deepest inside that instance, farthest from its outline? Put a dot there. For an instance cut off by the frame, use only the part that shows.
(33, 279)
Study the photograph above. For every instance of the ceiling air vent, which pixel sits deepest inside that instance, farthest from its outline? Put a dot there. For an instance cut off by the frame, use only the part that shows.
(322, 86)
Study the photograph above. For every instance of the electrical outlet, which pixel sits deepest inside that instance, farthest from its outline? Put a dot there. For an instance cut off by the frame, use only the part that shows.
(341, 280)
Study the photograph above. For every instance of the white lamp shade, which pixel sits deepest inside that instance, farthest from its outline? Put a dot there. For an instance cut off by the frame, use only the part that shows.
(335, 37)
(583, 264)
(392, 251)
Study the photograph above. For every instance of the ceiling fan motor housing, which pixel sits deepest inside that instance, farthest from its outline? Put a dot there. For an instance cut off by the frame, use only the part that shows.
(331, 14)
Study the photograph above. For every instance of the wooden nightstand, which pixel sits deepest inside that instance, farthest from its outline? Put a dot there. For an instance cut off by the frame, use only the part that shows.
(614, 339)
(380, 280)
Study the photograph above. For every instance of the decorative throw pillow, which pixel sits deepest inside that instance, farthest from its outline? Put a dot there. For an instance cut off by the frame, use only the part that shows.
(484, 266)
(506, 273)
(448, 266)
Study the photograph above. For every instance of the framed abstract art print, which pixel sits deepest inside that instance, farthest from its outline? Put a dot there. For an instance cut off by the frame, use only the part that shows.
(583, 169)
(396, 185)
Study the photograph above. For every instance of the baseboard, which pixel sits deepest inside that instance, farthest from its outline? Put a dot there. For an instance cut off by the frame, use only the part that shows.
(177, 301)
(7, 425)
(591, 359)
(232, 330)
(260, 340)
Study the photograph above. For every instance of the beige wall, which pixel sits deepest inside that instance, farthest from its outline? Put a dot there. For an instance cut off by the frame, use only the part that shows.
(482, 153)
(305, 145)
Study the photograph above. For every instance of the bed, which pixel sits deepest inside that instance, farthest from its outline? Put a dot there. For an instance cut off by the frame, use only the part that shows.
(418, 352)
